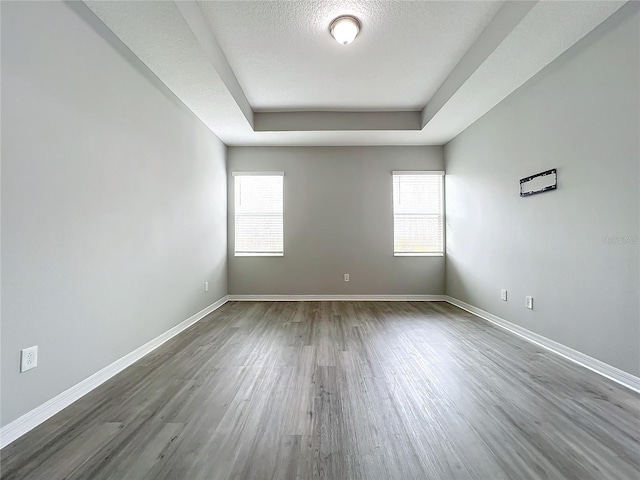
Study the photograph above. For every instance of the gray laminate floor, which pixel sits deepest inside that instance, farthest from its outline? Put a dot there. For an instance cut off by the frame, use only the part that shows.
(341, 390)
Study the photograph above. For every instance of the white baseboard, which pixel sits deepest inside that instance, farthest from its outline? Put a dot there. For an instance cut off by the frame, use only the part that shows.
(612, 373)
(347, 298)
(35, 417)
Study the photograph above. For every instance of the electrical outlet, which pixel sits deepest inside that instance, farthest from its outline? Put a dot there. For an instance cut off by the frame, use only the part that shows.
(206, 286)
(529, 302)
(28, 358)
(346, 277)
(503, 294)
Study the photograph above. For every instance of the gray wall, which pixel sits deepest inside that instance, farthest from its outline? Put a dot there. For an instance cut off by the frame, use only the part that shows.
(581, 116)
(113, 203)
(337, 219)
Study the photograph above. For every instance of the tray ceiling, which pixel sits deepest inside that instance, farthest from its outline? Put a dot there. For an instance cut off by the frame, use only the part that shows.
(268, 72)
(285, 59)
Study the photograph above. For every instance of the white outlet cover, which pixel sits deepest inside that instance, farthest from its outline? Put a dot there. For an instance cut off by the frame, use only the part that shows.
(28, 358)
(346, 277)
(503, 294)
(529, 303)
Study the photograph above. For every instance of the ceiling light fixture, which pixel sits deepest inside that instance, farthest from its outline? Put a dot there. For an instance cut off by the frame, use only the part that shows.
(345, 29)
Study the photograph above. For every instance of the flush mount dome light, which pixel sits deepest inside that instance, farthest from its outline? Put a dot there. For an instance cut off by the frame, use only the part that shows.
(345, 29)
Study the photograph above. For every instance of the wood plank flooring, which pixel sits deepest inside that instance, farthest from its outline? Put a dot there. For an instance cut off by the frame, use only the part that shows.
(341, 390)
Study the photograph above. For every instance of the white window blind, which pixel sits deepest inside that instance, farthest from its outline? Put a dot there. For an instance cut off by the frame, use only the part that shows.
(418, 213)
(259, 213)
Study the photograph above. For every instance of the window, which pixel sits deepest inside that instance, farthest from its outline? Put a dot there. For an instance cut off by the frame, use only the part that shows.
(418, 213)
(258, 213)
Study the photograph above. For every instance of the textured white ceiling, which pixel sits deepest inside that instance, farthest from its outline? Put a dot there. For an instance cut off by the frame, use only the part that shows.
(286, 60)
(511, 49)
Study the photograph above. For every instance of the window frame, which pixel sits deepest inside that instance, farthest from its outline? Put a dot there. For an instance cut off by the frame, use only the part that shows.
(235, 213)
(439, 173)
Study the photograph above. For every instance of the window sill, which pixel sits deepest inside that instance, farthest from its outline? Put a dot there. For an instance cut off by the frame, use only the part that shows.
(264, 254)
(417, 254)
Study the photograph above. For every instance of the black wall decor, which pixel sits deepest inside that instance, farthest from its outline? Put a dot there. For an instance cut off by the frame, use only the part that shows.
(538, 183)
